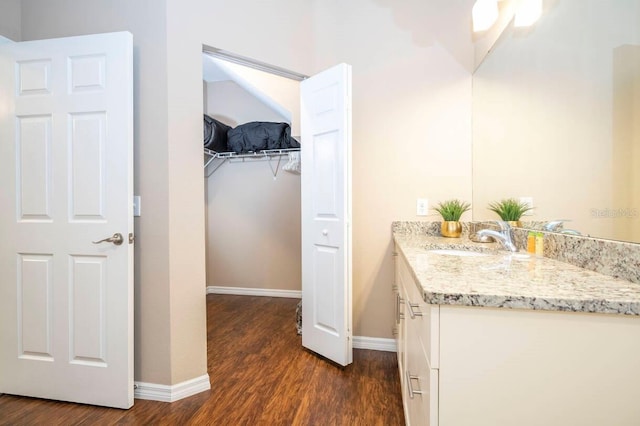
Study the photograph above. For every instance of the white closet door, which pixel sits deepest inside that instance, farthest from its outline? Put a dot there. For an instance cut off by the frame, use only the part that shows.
(66, 304)
(326, 213)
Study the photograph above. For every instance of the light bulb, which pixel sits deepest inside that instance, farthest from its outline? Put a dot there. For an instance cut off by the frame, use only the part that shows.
(528, 12)
(484, 14)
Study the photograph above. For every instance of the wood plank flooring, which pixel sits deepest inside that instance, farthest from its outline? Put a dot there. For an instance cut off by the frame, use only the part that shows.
(260, 375)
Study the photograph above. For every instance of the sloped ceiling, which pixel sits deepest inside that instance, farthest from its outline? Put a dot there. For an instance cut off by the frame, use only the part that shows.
(214, 69)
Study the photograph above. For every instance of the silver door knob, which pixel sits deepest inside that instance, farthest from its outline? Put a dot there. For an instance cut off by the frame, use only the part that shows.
(115, 239)
(325, 232)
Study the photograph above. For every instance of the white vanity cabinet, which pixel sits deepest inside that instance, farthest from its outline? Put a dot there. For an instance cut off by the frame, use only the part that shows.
(490, 366)
(417, 345)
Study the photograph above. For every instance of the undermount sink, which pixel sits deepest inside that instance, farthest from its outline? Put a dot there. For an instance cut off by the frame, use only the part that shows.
(453, 252)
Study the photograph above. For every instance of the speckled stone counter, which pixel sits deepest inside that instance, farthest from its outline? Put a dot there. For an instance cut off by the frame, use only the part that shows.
(503, 280)
(615, 258)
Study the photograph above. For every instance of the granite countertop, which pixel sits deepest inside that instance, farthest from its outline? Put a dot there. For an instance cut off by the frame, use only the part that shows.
(503, 280)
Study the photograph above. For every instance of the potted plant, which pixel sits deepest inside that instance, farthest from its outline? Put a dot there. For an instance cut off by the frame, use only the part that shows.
(451, 211)
(510, 210)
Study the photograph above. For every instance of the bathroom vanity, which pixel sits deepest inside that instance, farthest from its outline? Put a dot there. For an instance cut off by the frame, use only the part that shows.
(493, 338)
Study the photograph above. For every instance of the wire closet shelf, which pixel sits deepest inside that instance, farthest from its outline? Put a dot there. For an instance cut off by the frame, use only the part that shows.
(267, 154)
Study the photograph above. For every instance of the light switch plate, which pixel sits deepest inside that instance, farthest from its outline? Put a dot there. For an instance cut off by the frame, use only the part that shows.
(422, 206)
(136, 205)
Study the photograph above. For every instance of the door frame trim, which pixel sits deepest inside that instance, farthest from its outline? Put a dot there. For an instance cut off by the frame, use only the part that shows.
(252, 63)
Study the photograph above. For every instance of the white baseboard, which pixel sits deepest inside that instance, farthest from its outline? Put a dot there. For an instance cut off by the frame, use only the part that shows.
(243, 291)
(374, 343)
(164, 393)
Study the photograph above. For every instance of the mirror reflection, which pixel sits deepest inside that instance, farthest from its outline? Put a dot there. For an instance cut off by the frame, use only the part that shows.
(556, 117)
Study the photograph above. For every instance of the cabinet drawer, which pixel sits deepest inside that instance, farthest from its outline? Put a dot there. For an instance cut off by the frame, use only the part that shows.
(429, 331)
(421, 386)
(426, 318)
(423, 407)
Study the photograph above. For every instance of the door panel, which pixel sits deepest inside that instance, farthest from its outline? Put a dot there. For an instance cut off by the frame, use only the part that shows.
(35, 286)
(326, 213)
(87, 301)
(34, 167)
(87, 195)
(326, 300)
(66, 167)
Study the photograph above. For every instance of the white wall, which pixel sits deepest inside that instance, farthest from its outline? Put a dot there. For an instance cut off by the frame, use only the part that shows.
(253, 220)
(10, 13)
(233, 105)
(412, 89)
(412, 95)
(170, 249)
(281, 90)
(238, 27)
(411, 125)
(626, 138)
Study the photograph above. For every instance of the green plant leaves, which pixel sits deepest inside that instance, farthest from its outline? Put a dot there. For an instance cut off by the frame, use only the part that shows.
(509, 209)
(451, 210)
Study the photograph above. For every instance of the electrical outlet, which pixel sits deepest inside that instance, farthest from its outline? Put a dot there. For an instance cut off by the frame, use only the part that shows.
(529, 202)
(422, 207)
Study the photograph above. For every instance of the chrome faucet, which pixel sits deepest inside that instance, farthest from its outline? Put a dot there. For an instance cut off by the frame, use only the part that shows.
(553, 226)
(504, 236)
(556, 226)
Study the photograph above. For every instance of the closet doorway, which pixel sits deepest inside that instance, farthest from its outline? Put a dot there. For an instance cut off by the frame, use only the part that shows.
(252, 213)
(275, 233)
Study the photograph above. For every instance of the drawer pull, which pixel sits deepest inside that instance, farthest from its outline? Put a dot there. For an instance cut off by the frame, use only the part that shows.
(412, 391)
(413, 313)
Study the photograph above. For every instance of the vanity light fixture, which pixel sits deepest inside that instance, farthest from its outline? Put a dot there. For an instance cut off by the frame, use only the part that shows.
(527, 13)
(484, 14)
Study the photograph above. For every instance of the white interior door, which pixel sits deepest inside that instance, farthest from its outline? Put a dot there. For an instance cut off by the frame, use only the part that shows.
(66, 137)
(326, 213)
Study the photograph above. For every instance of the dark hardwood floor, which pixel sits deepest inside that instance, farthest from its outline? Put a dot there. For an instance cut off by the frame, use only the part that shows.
(260, 375)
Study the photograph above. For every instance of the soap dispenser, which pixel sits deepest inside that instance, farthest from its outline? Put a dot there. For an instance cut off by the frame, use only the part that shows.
(531, 242)
(539, 244)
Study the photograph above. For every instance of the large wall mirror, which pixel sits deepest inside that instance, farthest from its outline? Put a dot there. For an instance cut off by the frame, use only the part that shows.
(556, 117)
